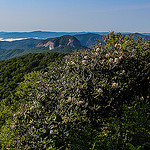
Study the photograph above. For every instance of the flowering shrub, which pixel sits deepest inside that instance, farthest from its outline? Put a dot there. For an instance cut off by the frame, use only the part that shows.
(72, 100)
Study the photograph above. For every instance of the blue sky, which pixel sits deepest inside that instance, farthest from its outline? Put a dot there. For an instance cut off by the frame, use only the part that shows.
(75, 15)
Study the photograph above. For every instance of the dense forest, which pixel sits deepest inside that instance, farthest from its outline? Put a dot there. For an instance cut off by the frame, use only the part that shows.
(13, 71)
(13, 53)
(85, 100)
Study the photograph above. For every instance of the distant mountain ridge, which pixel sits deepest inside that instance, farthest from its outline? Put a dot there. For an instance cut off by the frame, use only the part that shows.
(47, 34)
(141, 35)
(88, 39)
(62, 44)
(36, 34)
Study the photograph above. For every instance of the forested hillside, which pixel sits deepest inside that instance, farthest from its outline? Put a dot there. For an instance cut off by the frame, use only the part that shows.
(13, 72)
(88, 39)
(19, 44)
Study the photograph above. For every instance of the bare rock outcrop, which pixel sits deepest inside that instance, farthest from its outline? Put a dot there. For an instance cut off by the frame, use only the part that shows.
(60, 42)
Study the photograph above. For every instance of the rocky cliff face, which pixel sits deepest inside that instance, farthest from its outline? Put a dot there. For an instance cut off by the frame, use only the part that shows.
(62, 41)
(48, 44)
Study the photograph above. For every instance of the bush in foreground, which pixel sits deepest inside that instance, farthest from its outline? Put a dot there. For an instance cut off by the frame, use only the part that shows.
(96, 99)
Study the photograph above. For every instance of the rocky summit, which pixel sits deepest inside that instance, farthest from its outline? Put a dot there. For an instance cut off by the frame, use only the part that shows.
(62, 41)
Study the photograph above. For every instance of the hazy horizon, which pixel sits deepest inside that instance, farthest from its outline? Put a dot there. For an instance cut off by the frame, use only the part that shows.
(73, 31)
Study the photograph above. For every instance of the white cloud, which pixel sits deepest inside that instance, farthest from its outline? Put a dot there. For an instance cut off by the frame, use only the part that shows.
(12, 39)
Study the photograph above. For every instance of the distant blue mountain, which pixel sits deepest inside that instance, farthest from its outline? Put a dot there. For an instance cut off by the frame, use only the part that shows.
(88, 39)
(136, 35)
(47, 34)
(146, 34)
(37, 34)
